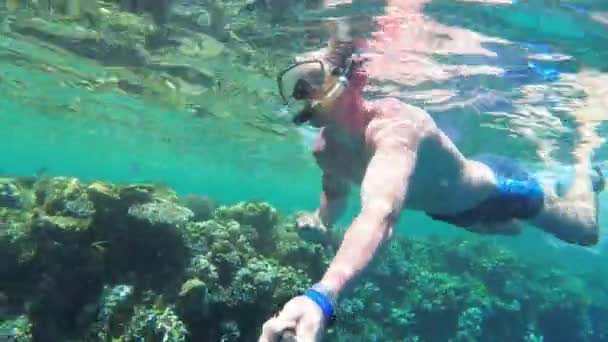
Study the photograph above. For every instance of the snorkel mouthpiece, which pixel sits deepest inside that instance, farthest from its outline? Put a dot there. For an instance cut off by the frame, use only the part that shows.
(340, 85)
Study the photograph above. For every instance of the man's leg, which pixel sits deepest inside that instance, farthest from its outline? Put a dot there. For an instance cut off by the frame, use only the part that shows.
(574, 217)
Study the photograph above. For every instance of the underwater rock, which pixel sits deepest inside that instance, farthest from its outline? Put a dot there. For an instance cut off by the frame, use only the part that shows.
(115, 307)
(201, 268)
(191, 285)
(88, 43)
(64, 196)
(103, 196)
(191, 14)
(55, 225)
(208, 16)
(188, 13)
(143, 193)
(202, 206)
(72, 8)
(161, 213)
(80, 206)
(158, 9)
(218, 19)
(194, 298)
(137, 193)
(131, 87)
(191, 74)
(183, 60)
(198, 45)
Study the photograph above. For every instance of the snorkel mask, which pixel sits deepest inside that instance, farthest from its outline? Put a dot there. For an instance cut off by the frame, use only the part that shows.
(305, 81)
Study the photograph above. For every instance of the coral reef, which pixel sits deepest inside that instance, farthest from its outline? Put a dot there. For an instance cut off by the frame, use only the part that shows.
(201, 206)
(107, 262)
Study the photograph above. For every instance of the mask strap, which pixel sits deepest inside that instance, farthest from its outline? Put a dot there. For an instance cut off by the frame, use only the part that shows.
(280, 76)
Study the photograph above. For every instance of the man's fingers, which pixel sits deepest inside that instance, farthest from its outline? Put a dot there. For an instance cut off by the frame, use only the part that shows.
(289, 336)
(274, 328)
(309, 330)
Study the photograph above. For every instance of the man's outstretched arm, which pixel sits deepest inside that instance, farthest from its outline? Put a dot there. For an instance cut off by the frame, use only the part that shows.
(383, 191)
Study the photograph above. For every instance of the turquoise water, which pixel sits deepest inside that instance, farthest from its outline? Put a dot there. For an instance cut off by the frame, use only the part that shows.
(507, 78)
(120, 137)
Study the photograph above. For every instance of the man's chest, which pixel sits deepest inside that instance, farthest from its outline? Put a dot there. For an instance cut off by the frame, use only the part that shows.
(345, 160)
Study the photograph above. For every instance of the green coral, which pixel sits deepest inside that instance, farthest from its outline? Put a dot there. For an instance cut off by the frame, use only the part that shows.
(156, 323)
(203, 207)
(265, 281)
(137, 267)
(14, 225)
(470, 325)
(18, 329)
(11, 195)
(115, 307)
(161, 213)
(64, 196)
(260, 215)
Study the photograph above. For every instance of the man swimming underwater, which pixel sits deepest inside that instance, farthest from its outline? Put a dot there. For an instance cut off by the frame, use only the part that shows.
(402, 160)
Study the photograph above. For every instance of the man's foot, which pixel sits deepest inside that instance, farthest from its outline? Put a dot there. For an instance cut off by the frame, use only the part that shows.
(598, 182)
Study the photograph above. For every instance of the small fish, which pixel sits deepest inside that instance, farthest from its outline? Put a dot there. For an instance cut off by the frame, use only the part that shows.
(100, 246)
(41, 171)
(135, 168)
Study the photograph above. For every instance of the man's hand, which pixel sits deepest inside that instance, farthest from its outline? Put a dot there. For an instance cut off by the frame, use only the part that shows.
(301, 319)
(310, 227)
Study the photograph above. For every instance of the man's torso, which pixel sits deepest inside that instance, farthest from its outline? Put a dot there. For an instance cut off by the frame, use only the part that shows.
(443, 181)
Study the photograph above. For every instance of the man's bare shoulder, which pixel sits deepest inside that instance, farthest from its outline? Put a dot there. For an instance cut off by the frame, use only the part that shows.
(393, 117)
(392, 107)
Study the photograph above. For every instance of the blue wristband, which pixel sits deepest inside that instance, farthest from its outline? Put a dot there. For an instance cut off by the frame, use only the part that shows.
(323, 302)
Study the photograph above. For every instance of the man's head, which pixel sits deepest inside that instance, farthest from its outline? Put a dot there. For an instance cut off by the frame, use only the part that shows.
(323, 87)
